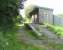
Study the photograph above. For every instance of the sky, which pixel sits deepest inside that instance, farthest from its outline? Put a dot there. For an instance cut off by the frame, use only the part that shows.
(56, 5)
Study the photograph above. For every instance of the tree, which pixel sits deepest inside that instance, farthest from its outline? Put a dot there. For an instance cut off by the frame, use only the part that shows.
(8, 13)
(8, 18)
(27, 10)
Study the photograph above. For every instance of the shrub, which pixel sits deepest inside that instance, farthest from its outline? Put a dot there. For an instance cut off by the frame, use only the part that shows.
(8, 16)
(56, 30)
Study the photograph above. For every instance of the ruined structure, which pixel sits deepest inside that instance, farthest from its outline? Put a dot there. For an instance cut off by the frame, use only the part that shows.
(42, 15)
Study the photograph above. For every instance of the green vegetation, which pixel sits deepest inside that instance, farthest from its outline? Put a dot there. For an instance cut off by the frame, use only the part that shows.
(56, 29)
(29, 32)
(51, 44)
(8, 13)
(8, 40)
(8, 18)
(28, 9)
(55, 46)
(31, 47)
(32, 34)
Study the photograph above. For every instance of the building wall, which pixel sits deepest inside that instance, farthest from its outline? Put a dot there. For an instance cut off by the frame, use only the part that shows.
(58, 21)
(45, 16)
(41, 17)
(50, 17)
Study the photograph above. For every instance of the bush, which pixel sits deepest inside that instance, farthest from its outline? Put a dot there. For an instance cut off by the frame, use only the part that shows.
(8, 13)
(56, 29)
(8, 40)
(8, 16)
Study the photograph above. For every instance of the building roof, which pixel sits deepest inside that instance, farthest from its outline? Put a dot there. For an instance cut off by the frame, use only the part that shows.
(45, 8)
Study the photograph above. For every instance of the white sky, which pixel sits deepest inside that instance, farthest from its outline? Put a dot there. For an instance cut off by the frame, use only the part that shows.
(57, 5)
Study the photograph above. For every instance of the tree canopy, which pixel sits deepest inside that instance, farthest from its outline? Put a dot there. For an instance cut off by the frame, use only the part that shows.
(28, 9)
(8, 12)
(8, 17)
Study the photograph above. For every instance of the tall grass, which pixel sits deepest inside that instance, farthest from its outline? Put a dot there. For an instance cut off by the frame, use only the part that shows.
(8, 40)
(56, 29)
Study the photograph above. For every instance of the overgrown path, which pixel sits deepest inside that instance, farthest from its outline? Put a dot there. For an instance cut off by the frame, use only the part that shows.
(24, 37)
(50, 35)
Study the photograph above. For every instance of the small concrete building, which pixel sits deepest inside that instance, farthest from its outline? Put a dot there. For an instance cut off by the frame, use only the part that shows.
(42, 15)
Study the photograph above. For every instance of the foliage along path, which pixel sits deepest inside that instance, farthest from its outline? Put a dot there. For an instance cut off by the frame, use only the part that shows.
(50, 35)
(23, 36)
